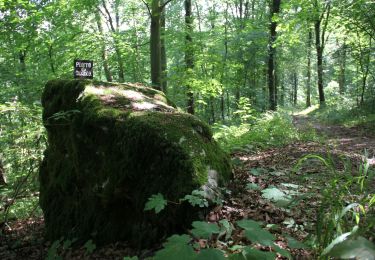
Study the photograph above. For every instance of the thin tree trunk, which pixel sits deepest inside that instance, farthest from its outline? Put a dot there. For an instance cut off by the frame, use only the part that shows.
(319, 56)
(164, 71)
(295, 87)
(189, 54)
(50, 55)
(342, 80)
(107, 71)
(308, 82)
(320, 41)
(155, 45)
(274, 9)
(121, 74)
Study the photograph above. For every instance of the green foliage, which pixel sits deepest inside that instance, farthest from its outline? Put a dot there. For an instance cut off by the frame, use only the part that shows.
(156, 202)
(349, 214)
(270, 129)
(22, 141)
(255, 233)
(196, 198)
(176, 247)
(204, 230)
(89, 247)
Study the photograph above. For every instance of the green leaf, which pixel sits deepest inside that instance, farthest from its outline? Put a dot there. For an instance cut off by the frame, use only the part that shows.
(339, 240)
(204, 230)
(254, 254)
(252, 186)
(211, 254)
(156, 202)
(226, 228)
(89, 246)
(359, 248)
(248, 224)
(294, 244)
(130, 258)
(260, 236)
(273, 194)
(255, 233)
(176, 248)
(282, 252)
(257, 171)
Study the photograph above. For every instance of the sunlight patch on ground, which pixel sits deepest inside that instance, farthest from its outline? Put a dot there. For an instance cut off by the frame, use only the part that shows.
(307, 110)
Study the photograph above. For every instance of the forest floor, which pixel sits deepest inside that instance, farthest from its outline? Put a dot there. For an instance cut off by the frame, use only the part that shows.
(262, 169)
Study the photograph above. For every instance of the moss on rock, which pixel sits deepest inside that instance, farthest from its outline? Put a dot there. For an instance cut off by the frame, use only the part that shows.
(112, 146)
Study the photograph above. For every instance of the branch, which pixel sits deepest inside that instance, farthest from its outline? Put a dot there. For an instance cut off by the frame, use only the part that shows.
(167, 2)
(148, 8)
(109, 16)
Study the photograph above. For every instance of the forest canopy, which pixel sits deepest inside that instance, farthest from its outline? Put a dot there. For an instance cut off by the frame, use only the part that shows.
(282, 90)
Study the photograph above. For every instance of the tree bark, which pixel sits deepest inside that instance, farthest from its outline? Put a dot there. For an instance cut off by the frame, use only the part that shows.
(121, 73)
(274, 9)
(155, 44)
(320, 26)
(342, 80)
(164, 71)
(107, 71)
(308, 76)
(189, 54)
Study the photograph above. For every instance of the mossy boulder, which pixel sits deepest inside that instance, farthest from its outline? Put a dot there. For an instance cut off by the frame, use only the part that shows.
(110, 148)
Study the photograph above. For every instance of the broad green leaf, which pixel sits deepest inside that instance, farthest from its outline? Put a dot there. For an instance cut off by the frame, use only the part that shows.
(248, 224)
(89, 246)
(260, 236)
(252, 186)
(339, 240)
(255, 233)
(176, 248)
(226, 228)
(273, 194)
(282, 252)
(294, 244)
(359, 248)
(204, 230)
(210, 254)
(130, 258)
(156, 202)
(254, 254)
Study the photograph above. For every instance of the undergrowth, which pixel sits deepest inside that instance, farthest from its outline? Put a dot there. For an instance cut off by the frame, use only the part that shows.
(343, 111)
(22, 142)
(270, 129)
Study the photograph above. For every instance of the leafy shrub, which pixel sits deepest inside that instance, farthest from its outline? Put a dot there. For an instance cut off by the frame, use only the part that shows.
(22, 141)
(270, 129)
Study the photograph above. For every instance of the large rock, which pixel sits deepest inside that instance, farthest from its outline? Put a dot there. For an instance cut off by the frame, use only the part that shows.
(112, 146)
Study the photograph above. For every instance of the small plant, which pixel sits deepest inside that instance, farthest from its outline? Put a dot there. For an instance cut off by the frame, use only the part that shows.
(342, 220)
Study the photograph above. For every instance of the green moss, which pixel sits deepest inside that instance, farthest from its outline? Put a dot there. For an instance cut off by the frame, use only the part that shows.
(115, 146)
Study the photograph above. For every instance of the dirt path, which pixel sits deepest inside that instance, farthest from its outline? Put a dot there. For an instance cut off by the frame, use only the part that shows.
(353, 142)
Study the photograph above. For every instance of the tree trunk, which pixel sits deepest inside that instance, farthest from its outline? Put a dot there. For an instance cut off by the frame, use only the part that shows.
(308, 83)
(2, 174)
(164, 71)
(322, 16)
(295, 87)
(189, 54)
(274, 9)
(155, 45)
(107, 71)
(121, 74)
(22, 59)
(342, 68)
(319, 56)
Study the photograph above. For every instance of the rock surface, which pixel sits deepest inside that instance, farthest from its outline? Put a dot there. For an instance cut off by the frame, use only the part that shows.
(110, 148)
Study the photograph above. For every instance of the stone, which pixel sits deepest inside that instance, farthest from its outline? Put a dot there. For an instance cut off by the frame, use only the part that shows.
(110, 148)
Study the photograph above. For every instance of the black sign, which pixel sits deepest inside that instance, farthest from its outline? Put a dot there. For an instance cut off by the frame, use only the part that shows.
(83, 69)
